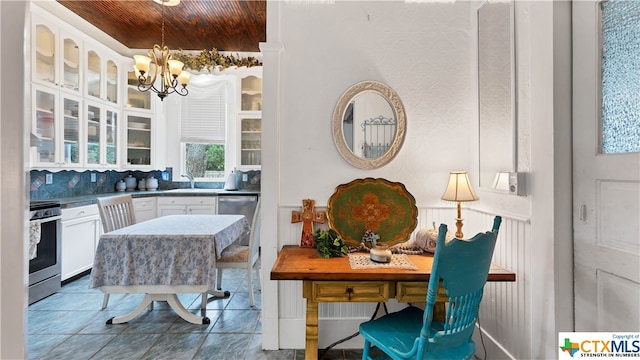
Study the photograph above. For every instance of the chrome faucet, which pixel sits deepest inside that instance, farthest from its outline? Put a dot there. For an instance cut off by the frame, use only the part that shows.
(190, 177)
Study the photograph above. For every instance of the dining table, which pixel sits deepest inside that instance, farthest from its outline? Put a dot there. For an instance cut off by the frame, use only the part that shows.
(163, 257)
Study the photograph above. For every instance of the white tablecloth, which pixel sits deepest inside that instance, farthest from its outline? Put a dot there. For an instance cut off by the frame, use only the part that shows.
(173, 250)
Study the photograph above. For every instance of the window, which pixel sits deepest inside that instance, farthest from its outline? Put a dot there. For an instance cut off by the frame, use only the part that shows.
(204, 160)
(620, 124)
(202, 130)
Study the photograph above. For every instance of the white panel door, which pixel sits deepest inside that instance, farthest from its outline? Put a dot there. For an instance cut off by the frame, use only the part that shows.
(606, 194)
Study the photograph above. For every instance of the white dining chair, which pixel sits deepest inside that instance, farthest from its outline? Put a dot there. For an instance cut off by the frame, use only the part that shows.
(243, 256)
(115, 212)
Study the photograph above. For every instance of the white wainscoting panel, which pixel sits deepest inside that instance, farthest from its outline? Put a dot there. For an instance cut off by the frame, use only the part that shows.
(504, 311)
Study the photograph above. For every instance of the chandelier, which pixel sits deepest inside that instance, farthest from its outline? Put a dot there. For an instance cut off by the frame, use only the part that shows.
(160, 62)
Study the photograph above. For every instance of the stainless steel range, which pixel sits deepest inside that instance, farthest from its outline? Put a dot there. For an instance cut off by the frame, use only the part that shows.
(44, 249)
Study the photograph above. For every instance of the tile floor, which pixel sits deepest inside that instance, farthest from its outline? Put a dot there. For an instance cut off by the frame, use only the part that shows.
(69, 325)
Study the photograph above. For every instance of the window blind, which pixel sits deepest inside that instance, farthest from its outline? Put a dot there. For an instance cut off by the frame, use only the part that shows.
(203, 114)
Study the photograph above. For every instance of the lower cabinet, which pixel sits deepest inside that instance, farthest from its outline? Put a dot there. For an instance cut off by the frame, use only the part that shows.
(80, 234)
(144, 208)
(192, 205)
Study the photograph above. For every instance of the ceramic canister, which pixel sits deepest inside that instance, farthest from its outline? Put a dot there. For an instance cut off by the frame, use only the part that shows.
(152, 183)
(131, 182)
(121, 186)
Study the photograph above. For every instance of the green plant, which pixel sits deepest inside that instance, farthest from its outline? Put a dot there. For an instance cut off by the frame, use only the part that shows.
(329, 243)
(212, 59)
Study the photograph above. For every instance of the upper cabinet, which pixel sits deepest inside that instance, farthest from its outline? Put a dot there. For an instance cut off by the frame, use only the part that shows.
(250, 120)
(139, 140)
(102, 74)
(136, 99)
(56, 130)
(77, 99)
(251, 93)
(102, 135)
(56, 57)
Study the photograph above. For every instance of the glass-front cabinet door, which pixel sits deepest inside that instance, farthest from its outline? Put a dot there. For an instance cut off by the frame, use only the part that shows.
(251, 93)
(94, 74)
(44, 61)
(43, 128)
(71, 131)
(137, 99)
(111, 139)
(55, 129)
(250, 142)
(102, 135)
(93, 122)
(56, 56)
(71, 65)
(139, 140)
(112, 82)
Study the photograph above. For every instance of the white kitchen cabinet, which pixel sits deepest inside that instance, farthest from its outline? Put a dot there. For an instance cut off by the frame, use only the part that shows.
(80, 234)
(181, 205)
(250, 141)
(250, 119)
(139, 140)
(136, 99)
(102, 124)
(144, 208)
(56, 60)
(101, 74)
(75, 98)
(56, 130)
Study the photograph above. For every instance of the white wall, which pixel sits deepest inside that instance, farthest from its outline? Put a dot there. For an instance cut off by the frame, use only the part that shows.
(13, 190)
(422, 51)
(426, 53)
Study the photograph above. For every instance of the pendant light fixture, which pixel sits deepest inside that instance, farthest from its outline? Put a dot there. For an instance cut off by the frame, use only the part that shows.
(159, 62)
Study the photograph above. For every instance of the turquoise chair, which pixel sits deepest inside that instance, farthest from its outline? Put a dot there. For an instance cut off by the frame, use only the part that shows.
(462, 266)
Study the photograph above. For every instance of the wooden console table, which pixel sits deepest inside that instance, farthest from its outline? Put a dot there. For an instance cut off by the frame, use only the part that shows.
(333, 280)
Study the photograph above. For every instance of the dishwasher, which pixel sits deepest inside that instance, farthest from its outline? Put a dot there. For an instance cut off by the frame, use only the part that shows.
(238, 205)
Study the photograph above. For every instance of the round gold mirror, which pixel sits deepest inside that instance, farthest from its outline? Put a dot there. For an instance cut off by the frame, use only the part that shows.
(369, 125)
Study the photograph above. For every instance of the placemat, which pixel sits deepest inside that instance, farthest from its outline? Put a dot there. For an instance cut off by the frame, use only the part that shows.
(363, 261)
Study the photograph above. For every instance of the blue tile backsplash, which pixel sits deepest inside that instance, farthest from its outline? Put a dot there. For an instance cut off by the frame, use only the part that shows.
(70, 183)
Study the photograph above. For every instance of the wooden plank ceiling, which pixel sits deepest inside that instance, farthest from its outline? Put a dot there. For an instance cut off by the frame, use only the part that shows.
(227, 25)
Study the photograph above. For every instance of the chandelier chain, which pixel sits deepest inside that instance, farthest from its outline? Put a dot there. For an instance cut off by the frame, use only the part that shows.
(162, 14)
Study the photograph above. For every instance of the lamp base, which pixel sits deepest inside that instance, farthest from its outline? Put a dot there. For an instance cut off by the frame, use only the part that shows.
(459, 234)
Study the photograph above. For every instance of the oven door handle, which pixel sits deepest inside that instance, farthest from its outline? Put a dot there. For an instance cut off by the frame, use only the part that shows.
(49, 219)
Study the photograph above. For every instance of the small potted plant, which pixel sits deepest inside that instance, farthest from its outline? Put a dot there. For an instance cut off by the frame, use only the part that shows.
(329, 243)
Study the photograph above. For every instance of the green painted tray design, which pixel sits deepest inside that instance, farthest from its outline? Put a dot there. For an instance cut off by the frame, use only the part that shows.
(379, 205)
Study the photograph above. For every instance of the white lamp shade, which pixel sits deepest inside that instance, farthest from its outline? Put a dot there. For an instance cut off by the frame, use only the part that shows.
(142, 62)
(175, 67)
(459, 188)
(184, 78)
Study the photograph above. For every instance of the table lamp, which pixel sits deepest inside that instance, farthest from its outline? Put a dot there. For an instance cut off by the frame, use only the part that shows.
(459, 189)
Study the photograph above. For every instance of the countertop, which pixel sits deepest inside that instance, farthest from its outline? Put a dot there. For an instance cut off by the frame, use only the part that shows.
(82, 200)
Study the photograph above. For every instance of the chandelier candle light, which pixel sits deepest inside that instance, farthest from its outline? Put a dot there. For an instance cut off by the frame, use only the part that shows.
(459, 189)
(170, 70)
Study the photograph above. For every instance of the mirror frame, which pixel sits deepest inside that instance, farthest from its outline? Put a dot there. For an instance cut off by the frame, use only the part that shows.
(338, 116)
(513, 99)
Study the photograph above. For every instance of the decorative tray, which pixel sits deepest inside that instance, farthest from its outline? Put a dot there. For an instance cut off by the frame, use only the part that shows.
(384, 207)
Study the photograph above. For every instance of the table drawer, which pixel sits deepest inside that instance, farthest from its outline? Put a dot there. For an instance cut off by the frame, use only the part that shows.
(355, 291)
(416, 291)
(412, 291)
